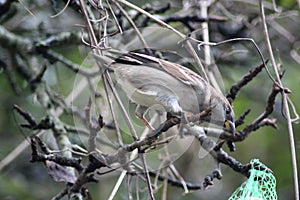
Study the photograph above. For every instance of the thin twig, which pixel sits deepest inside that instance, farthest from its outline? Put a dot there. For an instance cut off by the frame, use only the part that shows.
(132, 156)
(60, 12)
(46, 155)
(105, 75)
(147, 176)
(284, 99)
(163, 24)
(141, 38)
(24, 144)
(93, 129)
(115, 18)
(115, 119)
(241, 39)
(204, 5)
(51, 55)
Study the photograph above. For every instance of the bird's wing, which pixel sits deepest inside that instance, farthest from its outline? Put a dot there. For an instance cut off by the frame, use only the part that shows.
(183, 74)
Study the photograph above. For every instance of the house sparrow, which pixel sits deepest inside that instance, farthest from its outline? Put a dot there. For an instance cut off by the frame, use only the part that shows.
(149, 81)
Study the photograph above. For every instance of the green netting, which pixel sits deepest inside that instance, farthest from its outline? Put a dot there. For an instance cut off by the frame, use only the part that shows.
(261, 184)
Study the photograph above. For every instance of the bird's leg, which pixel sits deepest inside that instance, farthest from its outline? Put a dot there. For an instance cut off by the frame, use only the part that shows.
(140, 113)
(186, 116)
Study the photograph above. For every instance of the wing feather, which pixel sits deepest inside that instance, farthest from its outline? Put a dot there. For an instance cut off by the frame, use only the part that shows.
(183, 74)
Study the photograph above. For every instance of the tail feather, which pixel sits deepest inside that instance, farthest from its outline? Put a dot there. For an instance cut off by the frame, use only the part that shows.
(108, 58)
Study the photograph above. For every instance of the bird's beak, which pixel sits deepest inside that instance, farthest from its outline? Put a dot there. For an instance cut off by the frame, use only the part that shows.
(229, 126)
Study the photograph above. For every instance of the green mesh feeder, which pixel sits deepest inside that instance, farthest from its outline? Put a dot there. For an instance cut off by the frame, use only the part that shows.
(261, 184)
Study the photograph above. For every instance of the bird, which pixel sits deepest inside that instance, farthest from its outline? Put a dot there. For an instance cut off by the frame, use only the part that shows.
(148, 81)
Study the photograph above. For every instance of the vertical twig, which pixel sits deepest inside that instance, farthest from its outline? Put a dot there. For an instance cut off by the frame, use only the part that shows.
(132, 156)
(107, 80)
(147, 176)
(203, 11)
(117, 185)
(105, 76)
(129, 187)
(143, 41)
(115, 119)
(163, 24)
(204, 4)
(165, 185)
(284, 99)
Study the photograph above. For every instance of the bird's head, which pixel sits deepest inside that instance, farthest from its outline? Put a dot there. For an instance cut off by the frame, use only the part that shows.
(222, 111)
(229, 123)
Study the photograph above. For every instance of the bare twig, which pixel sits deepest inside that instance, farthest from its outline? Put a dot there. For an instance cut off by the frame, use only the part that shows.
(52, 56)
(192, 18)
(62, 193)
(107, 79)
(234, 90)
(208, 57)
(241, 39)
(26, 115)
(47, 155)
(177, 183)
(284, 99)
(141, 38)
(239, 121)
(257, 123)
(24, 144)
(147, 176)
(140, 145)
(132, 156)
(93, 128)
(163, 24)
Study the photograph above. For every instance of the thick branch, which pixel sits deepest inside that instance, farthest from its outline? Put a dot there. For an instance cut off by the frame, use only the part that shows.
(47, 156)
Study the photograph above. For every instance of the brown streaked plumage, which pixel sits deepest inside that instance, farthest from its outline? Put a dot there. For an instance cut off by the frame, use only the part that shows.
(148, 80)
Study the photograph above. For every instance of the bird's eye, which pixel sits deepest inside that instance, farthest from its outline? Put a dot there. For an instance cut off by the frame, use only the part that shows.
(227, 111)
